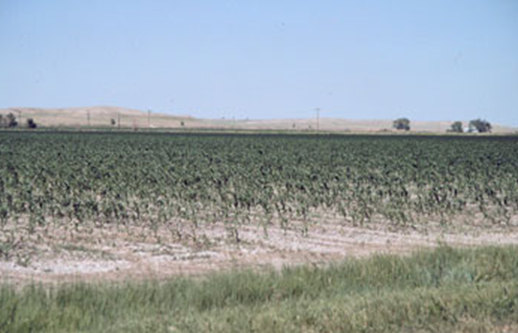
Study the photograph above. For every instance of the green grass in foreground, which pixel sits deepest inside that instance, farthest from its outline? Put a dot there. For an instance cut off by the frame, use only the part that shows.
(471, 290)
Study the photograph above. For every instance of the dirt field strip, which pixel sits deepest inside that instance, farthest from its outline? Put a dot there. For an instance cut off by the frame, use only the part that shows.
(116, 255)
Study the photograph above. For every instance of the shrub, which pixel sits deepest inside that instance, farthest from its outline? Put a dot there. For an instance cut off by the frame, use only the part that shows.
(11, 121)
(401, 124)
(31, 123)
(479, 125)
(456, 127)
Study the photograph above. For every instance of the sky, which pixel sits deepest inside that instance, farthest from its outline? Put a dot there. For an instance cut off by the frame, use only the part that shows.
(425, 60)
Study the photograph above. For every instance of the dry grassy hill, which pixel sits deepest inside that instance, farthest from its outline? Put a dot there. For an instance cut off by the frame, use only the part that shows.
(101, 116)
(98, 116)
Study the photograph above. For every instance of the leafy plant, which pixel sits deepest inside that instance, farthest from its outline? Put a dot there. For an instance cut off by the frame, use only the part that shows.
(31, 123)
(456, 127)
(401, 124)
(8, 121)
(479, 125)
(191, 180)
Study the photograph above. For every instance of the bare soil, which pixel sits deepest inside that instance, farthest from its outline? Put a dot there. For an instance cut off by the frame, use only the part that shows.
(56, 253)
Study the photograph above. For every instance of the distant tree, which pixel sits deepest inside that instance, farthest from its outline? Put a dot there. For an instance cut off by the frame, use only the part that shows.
(31, 123)
(2, 121)
(401, 124)
(182, 123)
(479, 125)
(113, 122)
(456, 127)
(11, 121)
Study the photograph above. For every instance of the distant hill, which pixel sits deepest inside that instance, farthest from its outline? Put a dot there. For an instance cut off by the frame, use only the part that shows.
(101, 116)
(97, 116)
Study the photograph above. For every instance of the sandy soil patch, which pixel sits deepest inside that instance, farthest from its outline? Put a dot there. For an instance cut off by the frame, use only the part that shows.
(57, 254)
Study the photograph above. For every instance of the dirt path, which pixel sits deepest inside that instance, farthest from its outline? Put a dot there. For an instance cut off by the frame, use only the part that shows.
(133, 253)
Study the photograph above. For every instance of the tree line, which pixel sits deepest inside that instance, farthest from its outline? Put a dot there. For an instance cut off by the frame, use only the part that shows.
(9, 121)
(475, 126)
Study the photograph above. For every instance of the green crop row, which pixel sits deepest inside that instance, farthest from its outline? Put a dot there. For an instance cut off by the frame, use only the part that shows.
(158, 179)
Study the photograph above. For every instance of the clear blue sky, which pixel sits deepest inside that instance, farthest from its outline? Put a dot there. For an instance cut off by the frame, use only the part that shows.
(426, 60)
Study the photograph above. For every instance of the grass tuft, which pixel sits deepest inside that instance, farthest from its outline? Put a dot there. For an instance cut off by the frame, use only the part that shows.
(445, 289)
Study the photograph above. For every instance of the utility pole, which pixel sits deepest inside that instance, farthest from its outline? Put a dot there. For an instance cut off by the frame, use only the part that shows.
(19, 116)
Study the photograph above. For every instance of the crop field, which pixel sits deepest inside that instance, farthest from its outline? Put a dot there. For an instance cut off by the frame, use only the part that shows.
(176, 187)
(198, 179)
(102, 207)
